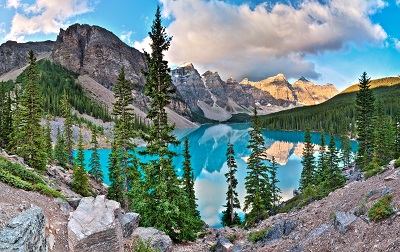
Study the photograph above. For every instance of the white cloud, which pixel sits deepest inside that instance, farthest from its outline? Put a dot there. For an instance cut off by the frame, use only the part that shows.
(13, 4)
(126, 37)
(143, 45)
(241, 41)
(44, 16)
(2, 27)
(398, 2)
(396, 43)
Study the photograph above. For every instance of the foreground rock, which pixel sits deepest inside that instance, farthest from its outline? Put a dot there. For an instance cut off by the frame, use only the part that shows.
(158, 239)
(94, 227)
(26, 232)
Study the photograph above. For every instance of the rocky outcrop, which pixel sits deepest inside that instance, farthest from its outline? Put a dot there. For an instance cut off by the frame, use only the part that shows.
(93, 226)
(99, 53)
(158, 239)
(129, 222)
(223, 244)
(14, 55)
(308, 93)
(26, 232)
(343, 220)
(278, 231)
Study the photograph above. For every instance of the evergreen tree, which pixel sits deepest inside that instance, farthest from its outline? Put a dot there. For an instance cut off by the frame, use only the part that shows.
(68, 122)
(365, 110)
(345, 149)
(5, 115)
(333, 175)
(94, 165)
(80, 181)
(321, 164)
(258, 189)
(127, 164)
(229, 216)
(28, 140)
(116, 189)
(308, 173)
(48, 141)
(396, 149)
(60, 153)
(163, 201)
(275, 190)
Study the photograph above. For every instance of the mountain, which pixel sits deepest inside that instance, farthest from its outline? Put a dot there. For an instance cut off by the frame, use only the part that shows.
(96, 54)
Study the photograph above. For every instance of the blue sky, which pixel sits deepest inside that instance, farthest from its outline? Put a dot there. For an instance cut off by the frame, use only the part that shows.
(326, 41)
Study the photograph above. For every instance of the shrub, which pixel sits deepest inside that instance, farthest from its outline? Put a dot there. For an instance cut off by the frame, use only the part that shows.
(14, 181)
(22, 172)
(257, 235)
(232, 238)
(397, 163)
(138, 245)
(373, 172)
(381, 209)
(43, 189)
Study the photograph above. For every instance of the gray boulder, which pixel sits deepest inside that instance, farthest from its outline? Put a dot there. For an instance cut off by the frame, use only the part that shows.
(158, 239)
(223, 245)
(129, 222)
(93, 226)
(277, 231)
(25, 233)
(343, 220)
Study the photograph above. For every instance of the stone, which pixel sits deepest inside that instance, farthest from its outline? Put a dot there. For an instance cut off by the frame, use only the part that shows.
(277, 231)
(74, 202)
(52, 241)
(129, 222)
(343, 220)
(158, 239)
(26, 232)
(386, 190)
(391, 177)
(65, 207)
(223, 244)
(94, 227)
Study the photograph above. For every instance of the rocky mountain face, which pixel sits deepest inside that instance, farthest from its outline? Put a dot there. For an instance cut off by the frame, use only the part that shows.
(14, 55)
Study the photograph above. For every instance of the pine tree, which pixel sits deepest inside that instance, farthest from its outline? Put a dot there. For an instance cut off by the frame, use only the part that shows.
(116, 189)
(333, 175)
(60, 153)
(396, 149)
(48, 141)
(345, 149)
(275, 190)
(80, 181)
(127, 164)
(229, 216)
(258, 189)
(163, 201)
(94, 162)
(68, 122)
(28, 140)
(308, 173)
(365, 110)
(321, 164)
(5, 115)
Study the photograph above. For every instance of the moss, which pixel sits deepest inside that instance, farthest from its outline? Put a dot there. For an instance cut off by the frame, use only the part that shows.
(381, 209)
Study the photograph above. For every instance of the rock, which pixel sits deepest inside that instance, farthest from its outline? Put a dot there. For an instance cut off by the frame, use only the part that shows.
(391, 177)
(343, 220)
(158, 239)
(386, 190)
(277, 231)
(52, 241)
(65, 207)
(93, 226)
(74, 202)
(356, 176)
(223, 244)
(26, 232)
(296, 192)
(129, 222)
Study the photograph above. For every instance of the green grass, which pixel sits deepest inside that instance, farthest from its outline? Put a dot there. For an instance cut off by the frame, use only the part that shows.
(373, 172)
(256, 236)
(381, 209)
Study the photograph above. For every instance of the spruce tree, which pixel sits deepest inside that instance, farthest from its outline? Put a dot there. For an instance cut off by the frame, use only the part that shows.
(321, 164)
(333, 175)
(60, 154)
(28, 140)
(229, 216)
(257, 184)
(365, 111)
(163, 204)
(396, 149)
(116, 189)
(68, 122)
(308, 173)
(275, 190)
(345, 149)
(5, 115)
(127, 164)
(48, 141)
(80, 181)
(94, 162)
(188, 187)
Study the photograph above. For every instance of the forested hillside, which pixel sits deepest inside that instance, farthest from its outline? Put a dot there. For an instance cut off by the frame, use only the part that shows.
(53, 80)
(337, 113)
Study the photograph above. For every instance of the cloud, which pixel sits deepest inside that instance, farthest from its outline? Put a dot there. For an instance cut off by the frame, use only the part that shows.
(396, 43)
(126, 37)
(2, 28)
(263, 40)
(143, 45)
(398, 2)
(44, 16)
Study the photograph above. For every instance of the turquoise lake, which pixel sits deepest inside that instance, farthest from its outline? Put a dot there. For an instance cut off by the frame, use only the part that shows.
(208, 148)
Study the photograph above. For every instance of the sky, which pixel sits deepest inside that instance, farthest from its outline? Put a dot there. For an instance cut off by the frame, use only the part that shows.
(326, 41)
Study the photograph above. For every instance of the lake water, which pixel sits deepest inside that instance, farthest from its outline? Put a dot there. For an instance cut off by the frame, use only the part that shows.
(208, 148)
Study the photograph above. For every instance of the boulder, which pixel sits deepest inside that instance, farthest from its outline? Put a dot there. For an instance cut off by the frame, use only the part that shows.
(223, 244)
(158, 239)
(26, 232)
(74, 202)
(94, 227)
(277, 231)
(129, 222)
(343, 220)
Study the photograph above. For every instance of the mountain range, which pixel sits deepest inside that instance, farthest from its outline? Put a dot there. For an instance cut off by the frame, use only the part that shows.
(97, 55)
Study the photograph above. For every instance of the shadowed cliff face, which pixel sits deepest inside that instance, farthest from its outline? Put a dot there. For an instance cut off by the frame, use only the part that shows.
(99, 53)
(14, 55)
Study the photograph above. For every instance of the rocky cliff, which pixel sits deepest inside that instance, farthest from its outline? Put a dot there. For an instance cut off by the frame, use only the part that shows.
(14, 55)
